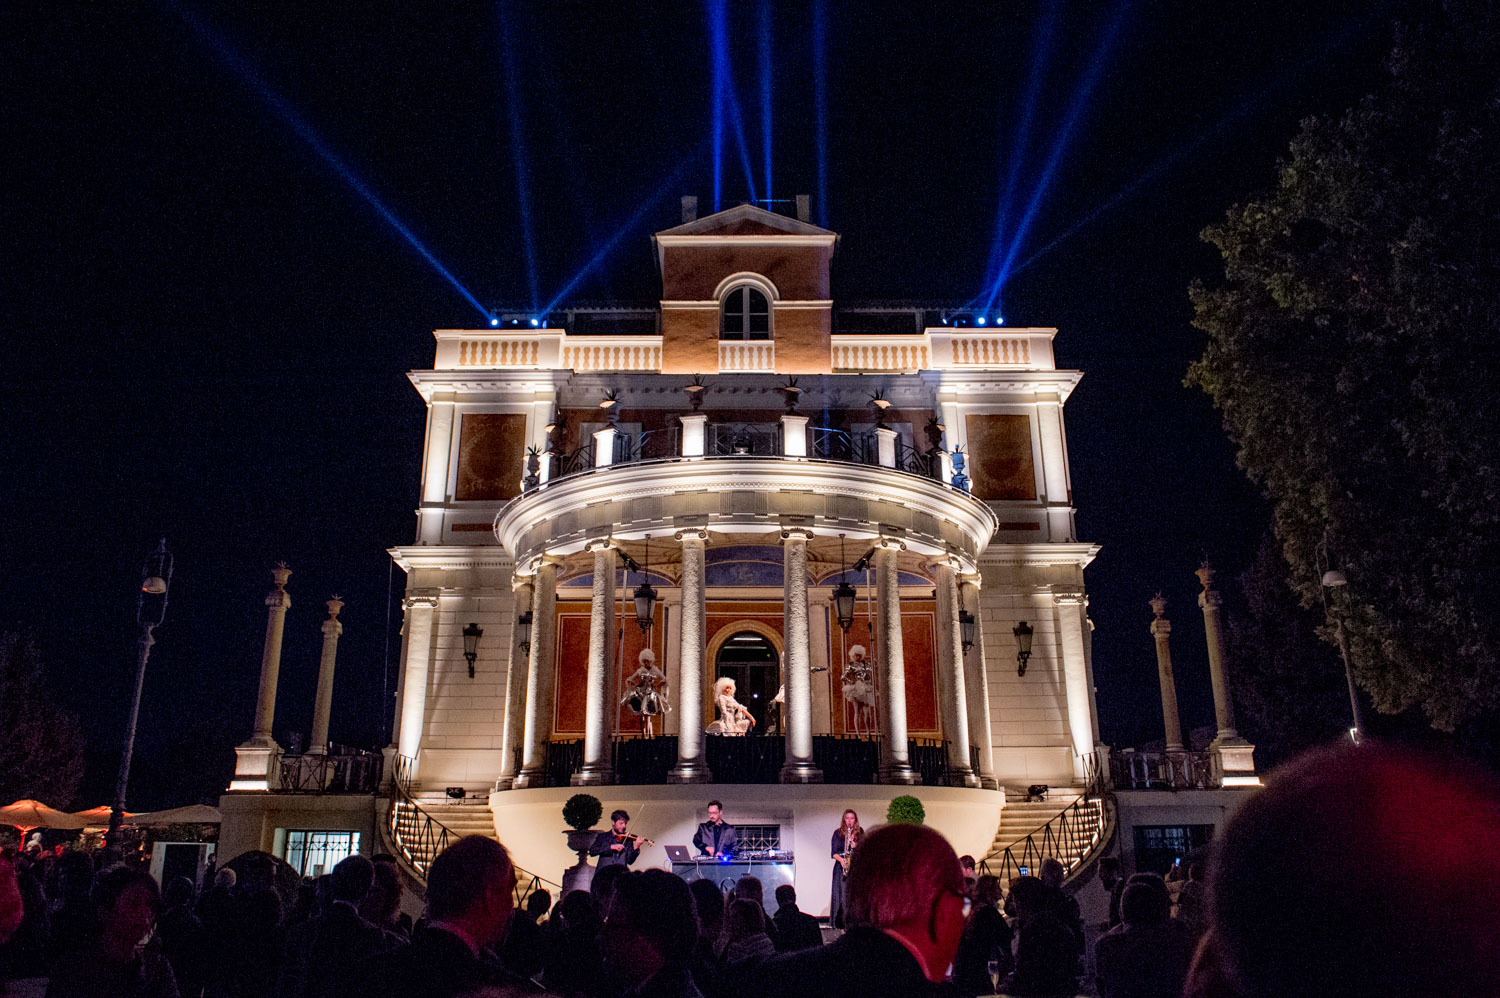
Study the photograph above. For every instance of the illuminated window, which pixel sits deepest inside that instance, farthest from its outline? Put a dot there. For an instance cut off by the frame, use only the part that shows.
(747, 315)
(313, 853)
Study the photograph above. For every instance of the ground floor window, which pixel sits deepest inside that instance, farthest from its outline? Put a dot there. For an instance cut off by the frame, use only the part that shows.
(314, 853)
(1159, 847)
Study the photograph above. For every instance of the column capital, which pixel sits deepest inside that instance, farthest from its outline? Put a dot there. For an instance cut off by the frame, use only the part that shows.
(796, 533)
(521, 581)
(691, 534)
(1161, 626)
(949, 560)
(890, 543)
(429, 600)
(1069, 597)
(599, 544)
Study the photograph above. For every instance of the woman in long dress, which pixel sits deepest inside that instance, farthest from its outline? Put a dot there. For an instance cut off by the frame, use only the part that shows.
(734, 717)
(846, 838)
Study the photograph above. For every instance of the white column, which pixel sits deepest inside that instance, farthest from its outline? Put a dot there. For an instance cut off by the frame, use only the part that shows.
(323, 703)
(885, 442)
(544, 467)
(515, 686)
(604, 447)
(951, 679)
(1233, 757)
(1161, 630)
(420, 611)
(693, 434)
(794, 436)
(976, 687)
(691, 767)
(799, 766)
(895, 765)
(596, 767)
(256, 761)
(540, 676)
(1069, 617)
(435, 461)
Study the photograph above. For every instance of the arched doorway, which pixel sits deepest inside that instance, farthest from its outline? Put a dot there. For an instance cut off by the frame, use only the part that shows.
(750, 659)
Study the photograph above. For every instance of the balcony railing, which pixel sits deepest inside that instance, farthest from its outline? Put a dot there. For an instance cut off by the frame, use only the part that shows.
(1132, 770)
(341, 770)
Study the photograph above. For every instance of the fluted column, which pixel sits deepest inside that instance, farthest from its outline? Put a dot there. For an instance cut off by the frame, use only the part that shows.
(799, 766)
(323, 703)
(951, 684)
(278, 601)
(420, 611)
(1233, 757)
(1161, 630)
(895, 765)
(596, 767)
(976, 688)
(540, 676)
(691, 767)
(515, 686)
(1070, 625)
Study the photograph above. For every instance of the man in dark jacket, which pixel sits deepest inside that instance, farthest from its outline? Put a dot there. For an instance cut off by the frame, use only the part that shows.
(340, 942)
(615, 847)
(715, 838)
(905, 906)
(794, 928)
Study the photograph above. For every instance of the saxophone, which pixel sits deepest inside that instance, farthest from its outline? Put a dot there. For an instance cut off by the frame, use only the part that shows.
(844, 859)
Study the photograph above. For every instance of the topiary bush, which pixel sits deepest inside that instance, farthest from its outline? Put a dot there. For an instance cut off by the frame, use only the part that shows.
(583, 811)
(905, 810)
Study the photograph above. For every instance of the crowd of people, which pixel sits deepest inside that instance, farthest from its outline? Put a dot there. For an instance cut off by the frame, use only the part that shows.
(1307, 893)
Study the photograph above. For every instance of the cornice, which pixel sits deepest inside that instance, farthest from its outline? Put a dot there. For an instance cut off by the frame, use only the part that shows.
(450, 557)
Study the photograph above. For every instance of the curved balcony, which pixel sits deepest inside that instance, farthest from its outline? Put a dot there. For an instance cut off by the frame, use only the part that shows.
(744, 493)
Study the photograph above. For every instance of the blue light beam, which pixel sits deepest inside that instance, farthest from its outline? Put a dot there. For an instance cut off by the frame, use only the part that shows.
(518, 145)
(283, 110)
(738, 120)
(718, 61)
(765, 92)
(820, 104)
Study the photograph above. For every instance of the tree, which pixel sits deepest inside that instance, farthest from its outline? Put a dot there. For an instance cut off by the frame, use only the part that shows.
(1288, 686)
(1353, 353)
(41, 745)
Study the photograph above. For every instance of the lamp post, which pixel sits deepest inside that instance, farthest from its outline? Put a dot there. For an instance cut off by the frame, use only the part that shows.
(1023, 632)
(150, 608)
(645, 596)
(472, 633)
(523, 623)
(1335, 580)
(966, 628)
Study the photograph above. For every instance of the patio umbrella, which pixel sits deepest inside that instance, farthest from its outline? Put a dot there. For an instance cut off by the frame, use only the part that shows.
(99, 816)
(29, 814)
(192, 814)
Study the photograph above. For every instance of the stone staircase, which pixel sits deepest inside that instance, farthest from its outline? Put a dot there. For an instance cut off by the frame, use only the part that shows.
(470, 816)
(1033, 831)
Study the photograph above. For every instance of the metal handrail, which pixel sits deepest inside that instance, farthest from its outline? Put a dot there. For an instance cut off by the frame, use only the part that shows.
(1070, 837)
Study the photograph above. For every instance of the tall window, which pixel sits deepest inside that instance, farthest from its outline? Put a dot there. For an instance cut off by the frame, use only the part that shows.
(314, 853)
(747, 315)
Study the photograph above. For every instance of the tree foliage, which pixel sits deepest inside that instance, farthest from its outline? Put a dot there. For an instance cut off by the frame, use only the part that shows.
(41, 745)
(1352, 351)
(905, 810)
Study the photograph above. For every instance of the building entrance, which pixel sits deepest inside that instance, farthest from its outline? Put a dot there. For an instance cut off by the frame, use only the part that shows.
(750, 660)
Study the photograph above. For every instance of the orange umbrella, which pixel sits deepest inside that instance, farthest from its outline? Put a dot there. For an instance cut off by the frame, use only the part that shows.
(29, 814)
(98, 816)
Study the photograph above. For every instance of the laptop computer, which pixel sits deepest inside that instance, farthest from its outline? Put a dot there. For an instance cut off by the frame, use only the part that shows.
(679, 854)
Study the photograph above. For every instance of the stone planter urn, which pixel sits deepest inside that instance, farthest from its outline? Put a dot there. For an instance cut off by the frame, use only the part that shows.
(581, 812)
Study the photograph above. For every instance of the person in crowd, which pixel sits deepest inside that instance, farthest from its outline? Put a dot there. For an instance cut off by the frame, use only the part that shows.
(382, 905)
(987, 938)
(905, 912)
(1148, 955)
(521, 952)
(250, 961)
(1192, 900)
(795, 929)
(342, 942)
(616, 846)
(1300, 900)
(750, 888)
(470, 898)
(649, 936)
(184, 941)
(1046, 949)
(115, 962)
(745, 945)
(12, 908)
(574, 964)
(1114, 882)
(846, 838)
(1064, 905)
(715, 838)
(29, 952)
(966, 864)
(603, 885)
(708, 901)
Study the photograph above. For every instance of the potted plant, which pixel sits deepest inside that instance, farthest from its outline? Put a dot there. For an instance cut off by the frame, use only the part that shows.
(905, 810)
(581, 813)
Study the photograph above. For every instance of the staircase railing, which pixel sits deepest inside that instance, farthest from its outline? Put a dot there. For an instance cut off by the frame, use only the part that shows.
(1070, 837)
(420, 837)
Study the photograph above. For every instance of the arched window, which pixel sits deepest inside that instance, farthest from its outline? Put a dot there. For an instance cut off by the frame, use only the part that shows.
(746, 315)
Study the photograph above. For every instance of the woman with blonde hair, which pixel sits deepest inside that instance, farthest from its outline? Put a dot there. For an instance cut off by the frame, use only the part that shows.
(734, 717)
(846, 838)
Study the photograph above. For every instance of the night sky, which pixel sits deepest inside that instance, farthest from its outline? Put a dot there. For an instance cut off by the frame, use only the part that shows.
(209, 327)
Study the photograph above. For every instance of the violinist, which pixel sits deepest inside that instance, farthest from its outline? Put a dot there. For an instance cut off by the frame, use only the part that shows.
(617, 847)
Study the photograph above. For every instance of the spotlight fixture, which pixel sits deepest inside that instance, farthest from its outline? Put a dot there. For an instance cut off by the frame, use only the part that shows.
(535, 323)
(494, 321)
(1023, 632)
(472, 633)
(999, 320)
(980, 320)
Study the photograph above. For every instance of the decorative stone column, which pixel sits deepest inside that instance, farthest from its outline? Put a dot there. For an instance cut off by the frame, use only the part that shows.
(691, 767)
(540, 676)
(895, 764)
(1161, 630)
(976, 687)
(515, 685)
(604, 446)
(1070, 624)
(1233, 757)
(794, 435)
(951, 684)
(420, 610)
(597, 768)
(256, 760)
(799, 766)
(323, 704)
(693, 433)
(885, 444)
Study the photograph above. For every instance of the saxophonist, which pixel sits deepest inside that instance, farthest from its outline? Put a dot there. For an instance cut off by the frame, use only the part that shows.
(846, 838)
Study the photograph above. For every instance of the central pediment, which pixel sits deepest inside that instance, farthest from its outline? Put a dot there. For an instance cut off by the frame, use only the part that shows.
(746, 220)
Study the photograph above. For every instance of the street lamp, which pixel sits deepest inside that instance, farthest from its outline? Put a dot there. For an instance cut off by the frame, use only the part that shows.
(472, 634)
(1334, 579)
(1023, 633)
(844, 595)
(150, 609)
(966, 626)
(645, 596)
(523, 624)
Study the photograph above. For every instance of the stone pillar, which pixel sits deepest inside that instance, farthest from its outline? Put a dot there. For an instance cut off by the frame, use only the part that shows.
(693, 434)
(597, 768)
(540, 676)
(323, 704)
(1233, 757)
(895, 765)
(1161, 630)
(794, 436)
(256, 760)
(441, 418)
(951, 679)
(885, 443)
(515, 686)
(420, 611)
(604, 446)
(1070, 625)
(976, 688)
(544, 467)
(691, 767)
(799, 766)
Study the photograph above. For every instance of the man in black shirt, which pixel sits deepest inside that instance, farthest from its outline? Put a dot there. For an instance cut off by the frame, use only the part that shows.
(715, 838)
(615, 847)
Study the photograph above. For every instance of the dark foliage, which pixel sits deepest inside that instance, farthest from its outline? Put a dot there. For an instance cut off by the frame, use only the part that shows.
(41, 745)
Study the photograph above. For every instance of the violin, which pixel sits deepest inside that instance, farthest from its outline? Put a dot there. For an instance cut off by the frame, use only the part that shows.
(640, 840)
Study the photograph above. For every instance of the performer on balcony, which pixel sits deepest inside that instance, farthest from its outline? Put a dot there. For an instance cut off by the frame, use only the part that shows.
(734, 717)
(616, 847)
(859, 692)
(846, 838)
(646, 695)
(715, 838)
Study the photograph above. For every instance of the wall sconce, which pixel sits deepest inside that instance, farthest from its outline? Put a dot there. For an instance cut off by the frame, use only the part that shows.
(1023, 633)
(472, 634)
(966, 627)
(523, 626)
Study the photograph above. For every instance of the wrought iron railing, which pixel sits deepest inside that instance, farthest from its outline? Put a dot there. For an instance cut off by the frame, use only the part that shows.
(915, 462)
(649, 445)
(741, 439)
(1070, 837)
(341, 770)
(1131, 770)
(575, 462)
